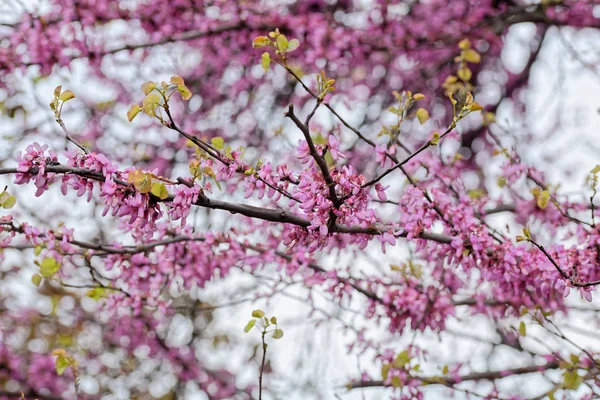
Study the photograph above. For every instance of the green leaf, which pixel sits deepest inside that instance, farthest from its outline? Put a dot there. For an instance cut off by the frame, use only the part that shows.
(293, 45)
(61, 364)
(436, 139)
(9, 202)
(282, 43)
(147, 87)
(258, 313)
(186, 94)
(36, 279)
(218, 142)
(151, 101)
(4, 196)
(402, 359)
(57, 91)
(445, 370)
(159, 190)
(177, 80)
(385, 370)
(472, 56)
(522, 329)
(38, 249)
(96, 293)
(422, 115)
(464, 74)
(273, 320)
(133, 111)
(141, 181)
(542, 199)
(49, 267)
(260, 41)
(265, 61)
(278, 334)
(249, 325)
(596, 169)
(66, 96)
(474, 106)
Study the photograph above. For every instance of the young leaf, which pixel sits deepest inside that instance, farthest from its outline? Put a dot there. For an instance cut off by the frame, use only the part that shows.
(57, 91)
(464, 44)
(36, 279)
(61, 364)
(133, 111)
(151, 101)
(293, 45)
(159, 190)
(258, 313)
(472, 56)
(66, 96)
(282, 43)
(49, 266)
(265, 61)
(218, 142)
(9, 202)
(177, 80)
(147, 87)
(464, 73)
(542, 199)
(422, 115)
(260, 41)
(522, 329)
(278, 334)
(249, 325)
(186, 94)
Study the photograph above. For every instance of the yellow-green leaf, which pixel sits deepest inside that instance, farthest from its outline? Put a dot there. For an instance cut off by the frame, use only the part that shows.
(596, 169)
(61, 364)
(159, 190)
(542, 199)
(151, 101)
(522, 329)
(186, 94)
(464, 44)
(258, 313)
(435, 139)
(265, 61)
(472, 56)
(177, 80)
(293, 45)
(464, 73)
(402, 359)
(218, 142)
(278, 334)
(133, 111)
(419, 96)
(49, 266)
(422, 115)
(149, 86)
(57, 91)
(36, 279)
(260, 41)
(97, 293)
(282, 43)
(385, 370)
(66, 96)
(9, 202)
(249, 325)
(475, 106)
(141, 181)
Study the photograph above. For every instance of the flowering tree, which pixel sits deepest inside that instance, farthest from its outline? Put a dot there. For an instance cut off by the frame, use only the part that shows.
(348, 155)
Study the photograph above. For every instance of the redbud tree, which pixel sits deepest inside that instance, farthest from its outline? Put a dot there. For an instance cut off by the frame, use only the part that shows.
(279, 199)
